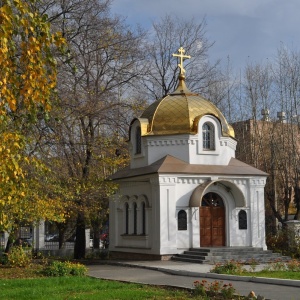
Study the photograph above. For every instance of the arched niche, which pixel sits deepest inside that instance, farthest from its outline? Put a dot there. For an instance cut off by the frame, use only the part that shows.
(182, 220)
(231, 188)
(242, 217)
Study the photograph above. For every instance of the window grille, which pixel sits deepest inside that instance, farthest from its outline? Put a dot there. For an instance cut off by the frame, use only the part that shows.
(138, 141)
(242, 220)
(208, 134)
(182, 220)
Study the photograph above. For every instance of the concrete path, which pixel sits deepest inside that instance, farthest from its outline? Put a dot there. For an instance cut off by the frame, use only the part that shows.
(179, 274)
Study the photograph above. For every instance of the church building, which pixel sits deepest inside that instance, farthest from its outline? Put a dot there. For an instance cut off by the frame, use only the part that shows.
(184, 188)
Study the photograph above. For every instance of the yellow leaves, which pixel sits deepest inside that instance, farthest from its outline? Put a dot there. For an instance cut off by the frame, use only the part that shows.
(59, 41)
(3, 82)
(4, 50)
(5, 12)
(12, 103)
(32, 84)
(23, 192)
(27, 79)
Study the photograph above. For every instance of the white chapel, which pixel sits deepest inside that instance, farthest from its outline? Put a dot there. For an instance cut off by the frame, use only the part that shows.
(184, 188)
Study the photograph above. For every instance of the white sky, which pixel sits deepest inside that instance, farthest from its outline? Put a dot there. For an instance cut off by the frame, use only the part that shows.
(244, 30)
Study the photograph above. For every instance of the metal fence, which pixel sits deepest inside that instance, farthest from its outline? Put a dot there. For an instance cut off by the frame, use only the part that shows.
(2, 242)
(55, 245)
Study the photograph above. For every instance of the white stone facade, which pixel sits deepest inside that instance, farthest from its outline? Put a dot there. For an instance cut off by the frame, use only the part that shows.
(171, 174)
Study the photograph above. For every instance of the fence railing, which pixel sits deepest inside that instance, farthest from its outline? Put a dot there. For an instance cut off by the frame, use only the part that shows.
(55, 245)
(49, 245)
(2, 243)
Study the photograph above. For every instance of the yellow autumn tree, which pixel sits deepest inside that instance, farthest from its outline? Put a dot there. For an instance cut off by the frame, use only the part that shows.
(27, 80)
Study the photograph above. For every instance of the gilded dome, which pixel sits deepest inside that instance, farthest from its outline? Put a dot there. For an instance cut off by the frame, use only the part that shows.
(180, 112)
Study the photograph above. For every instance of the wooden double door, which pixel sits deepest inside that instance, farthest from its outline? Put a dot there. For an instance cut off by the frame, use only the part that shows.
(212, 221)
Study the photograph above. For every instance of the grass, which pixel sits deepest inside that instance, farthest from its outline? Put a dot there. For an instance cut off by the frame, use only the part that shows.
(273, 274)
(57, 288)
(278, 269)
(29, 283)
(33, 271)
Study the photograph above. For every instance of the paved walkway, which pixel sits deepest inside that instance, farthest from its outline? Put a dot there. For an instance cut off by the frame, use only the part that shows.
(179, 274)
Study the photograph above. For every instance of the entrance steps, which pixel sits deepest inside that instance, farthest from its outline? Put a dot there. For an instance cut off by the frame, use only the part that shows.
(222, 254)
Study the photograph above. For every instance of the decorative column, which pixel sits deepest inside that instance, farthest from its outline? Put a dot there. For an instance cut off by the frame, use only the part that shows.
(168, 222)
(87, 238)
(257, 206)
(293, 233)
(38, 236)
(154, 221)
(195, 227)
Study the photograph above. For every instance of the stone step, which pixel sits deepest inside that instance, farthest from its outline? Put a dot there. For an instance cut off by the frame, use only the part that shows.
(230, 256)
(216, 255)
(229, 253)
(228, 249)
(184, 259)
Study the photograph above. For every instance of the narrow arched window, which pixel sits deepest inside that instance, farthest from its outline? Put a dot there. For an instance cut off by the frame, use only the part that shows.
(138, 140)
(126, 218)
(182, 220)
(143, 218)
(134, 218)
(242, 220)
(208, 135)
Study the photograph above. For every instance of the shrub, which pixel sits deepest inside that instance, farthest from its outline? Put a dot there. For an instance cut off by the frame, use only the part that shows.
(284, 242)
(200, 287)
(278, 242)
(293, 265)
(207, 290)
(58, 268)
(19, 257)
(278, 265)
(98, 253)
(228, 291)
(229, 267)
(3, 259)
(215, 287)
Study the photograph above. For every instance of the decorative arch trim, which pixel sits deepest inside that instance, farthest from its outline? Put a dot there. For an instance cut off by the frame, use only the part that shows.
(122, 201)
(233, 189)
(144, 198)
(226, 129)
(198, 118)
(141, 122)
(133, 198)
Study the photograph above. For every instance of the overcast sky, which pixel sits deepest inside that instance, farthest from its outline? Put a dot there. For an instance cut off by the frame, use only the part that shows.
(241, 29)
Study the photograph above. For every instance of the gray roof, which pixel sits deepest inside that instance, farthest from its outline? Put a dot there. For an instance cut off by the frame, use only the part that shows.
(172, 165)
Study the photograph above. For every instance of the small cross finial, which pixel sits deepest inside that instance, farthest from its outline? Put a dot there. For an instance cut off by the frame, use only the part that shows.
(182, 57)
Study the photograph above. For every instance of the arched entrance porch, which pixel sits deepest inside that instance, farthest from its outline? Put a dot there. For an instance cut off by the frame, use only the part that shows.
(215, 201)
(212, 221)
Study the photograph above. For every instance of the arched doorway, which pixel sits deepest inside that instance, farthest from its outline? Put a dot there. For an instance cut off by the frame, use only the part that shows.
(212, 221)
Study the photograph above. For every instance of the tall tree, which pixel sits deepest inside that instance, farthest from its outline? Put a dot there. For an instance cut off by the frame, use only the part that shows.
(271, 142)
(85, 129)
(27, 79)
(165, 38)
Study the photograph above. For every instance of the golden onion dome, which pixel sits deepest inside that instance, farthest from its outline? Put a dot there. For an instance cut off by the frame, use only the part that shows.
(180, 112)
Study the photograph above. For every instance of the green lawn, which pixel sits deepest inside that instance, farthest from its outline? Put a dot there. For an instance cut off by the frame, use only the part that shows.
(82, 288)
(274, 274)
(58, 288)
(31, 283)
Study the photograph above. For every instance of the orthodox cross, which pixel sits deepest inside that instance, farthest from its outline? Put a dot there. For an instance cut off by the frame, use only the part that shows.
(182, 57)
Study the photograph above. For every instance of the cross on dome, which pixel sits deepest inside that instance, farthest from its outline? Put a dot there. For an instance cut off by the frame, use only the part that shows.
(182, 57)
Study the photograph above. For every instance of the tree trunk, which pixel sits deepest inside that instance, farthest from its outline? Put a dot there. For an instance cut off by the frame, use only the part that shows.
(79, 248)
(96, 233)
(61, 235)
